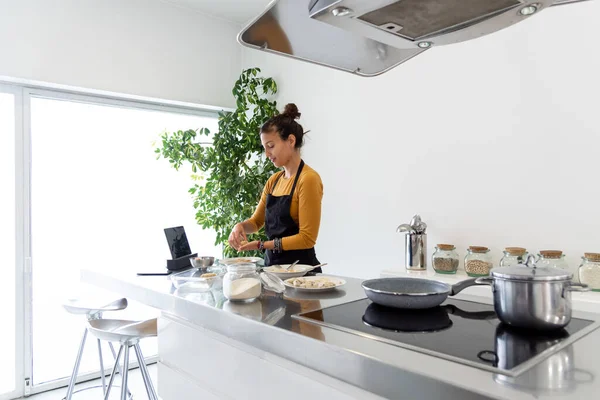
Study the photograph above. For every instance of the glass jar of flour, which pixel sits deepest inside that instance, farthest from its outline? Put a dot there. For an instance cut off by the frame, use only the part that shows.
(589, 271)
(242, 283)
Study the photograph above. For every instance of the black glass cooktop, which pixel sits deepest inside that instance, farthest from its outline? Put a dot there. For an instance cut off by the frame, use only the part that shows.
(458, 330)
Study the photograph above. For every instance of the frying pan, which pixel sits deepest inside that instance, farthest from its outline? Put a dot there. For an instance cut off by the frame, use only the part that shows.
(412, 293)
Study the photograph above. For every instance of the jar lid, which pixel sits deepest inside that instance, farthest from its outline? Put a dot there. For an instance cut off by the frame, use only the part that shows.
(551, 253)
(272, 282)
(478, 249)
(515, 251)
(522, 272)
(592, 256)
(446, 246)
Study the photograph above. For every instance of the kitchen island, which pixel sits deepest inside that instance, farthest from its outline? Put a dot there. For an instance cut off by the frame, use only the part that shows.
(211, 348)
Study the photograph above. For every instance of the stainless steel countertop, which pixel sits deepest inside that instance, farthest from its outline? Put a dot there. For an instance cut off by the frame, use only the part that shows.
(385, 370)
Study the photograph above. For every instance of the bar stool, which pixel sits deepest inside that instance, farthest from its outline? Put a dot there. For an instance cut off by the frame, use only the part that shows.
(92, 312)
(129, 334)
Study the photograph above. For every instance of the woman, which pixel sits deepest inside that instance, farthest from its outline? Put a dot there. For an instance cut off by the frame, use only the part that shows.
(290, 205)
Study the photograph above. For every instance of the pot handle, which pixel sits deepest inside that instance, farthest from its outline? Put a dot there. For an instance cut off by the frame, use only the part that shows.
(578, 287)
(460, 286)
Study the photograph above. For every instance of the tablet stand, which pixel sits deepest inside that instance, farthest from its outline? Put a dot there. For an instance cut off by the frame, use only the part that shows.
(180, 263)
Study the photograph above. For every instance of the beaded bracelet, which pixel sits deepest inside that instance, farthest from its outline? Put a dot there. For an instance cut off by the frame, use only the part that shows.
(277, 243)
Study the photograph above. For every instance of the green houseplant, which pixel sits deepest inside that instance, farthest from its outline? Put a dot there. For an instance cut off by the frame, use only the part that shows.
(229, 175)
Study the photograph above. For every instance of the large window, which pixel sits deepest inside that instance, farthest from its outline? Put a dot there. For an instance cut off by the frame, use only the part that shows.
(99, 200)
(7, 243)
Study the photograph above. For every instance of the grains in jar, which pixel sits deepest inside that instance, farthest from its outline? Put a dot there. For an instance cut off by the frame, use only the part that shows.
(445, 259)
(478, 261)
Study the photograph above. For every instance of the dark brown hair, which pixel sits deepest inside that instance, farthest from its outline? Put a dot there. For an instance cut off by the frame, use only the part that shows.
(285, 125)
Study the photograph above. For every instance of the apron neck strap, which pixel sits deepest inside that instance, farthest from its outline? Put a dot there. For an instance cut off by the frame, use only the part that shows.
(297, 176)
(295, 179)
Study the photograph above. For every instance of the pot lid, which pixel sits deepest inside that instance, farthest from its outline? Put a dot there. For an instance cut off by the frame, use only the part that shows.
(522, 272)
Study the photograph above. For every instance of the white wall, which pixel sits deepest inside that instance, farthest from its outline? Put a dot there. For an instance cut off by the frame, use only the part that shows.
(495, 142)
(140, 47)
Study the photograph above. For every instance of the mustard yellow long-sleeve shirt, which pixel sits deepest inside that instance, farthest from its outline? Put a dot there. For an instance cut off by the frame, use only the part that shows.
(305, 209)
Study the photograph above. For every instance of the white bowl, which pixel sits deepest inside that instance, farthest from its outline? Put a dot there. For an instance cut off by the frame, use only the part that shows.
(297, 271)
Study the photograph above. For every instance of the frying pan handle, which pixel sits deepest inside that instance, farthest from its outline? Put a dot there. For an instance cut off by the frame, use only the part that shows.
(460, 286)
(452, 309)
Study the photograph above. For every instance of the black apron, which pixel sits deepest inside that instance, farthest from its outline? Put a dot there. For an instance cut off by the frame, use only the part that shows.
(279, 224)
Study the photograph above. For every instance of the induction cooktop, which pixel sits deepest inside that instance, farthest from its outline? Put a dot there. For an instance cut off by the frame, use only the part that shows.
(461, 331)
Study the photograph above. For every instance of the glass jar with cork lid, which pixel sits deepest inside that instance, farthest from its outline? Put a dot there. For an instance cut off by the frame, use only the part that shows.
(445, 259)
(552, 258)
(589, 271)
(513, 256)
(478, 261)
(242, 283)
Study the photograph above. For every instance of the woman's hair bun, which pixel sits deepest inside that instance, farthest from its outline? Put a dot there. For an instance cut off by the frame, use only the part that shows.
(291, 111)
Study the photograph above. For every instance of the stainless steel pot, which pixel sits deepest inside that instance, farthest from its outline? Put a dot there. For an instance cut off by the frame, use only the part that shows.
(532, 298)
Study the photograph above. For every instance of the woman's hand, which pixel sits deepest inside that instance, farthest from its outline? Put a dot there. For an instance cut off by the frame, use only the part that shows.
(249, 246)
(237, 237)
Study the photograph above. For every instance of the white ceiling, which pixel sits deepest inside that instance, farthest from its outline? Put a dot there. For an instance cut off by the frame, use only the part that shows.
(238, 11)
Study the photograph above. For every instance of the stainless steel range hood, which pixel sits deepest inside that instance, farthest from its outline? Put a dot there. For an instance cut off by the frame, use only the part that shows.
(369, 37)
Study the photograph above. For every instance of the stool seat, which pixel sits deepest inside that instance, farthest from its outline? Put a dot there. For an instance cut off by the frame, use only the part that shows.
(90, 306)
(128, 334)
(118, 330)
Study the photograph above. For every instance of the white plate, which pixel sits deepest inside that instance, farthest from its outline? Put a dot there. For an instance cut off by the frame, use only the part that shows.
(337, 281)
(298, 270)
(240, 260)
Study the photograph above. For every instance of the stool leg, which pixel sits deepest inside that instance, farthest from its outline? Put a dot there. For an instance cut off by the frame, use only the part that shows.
(76, 367)
(145, 375)
(101, 367)
(112, 349)
(112, 375)
(125, 372)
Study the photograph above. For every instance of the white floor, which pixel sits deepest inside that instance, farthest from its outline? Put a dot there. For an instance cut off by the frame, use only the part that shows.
(136, 386)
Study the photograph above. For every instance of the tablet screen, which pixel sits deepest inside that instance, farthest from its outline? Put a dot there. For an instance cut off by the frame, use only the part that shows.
(178, 243)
